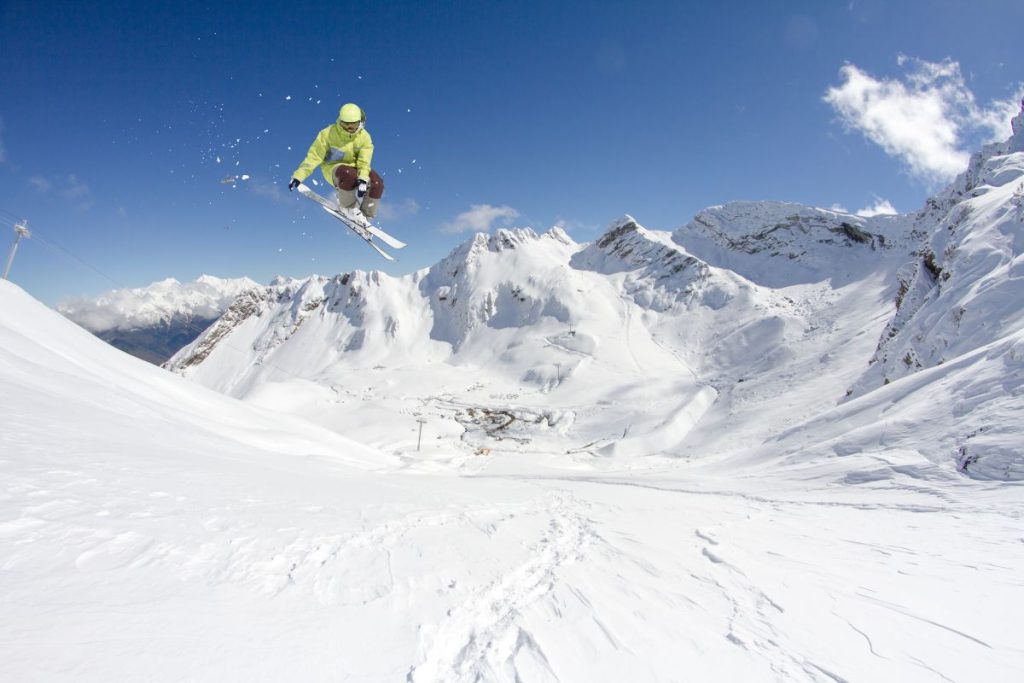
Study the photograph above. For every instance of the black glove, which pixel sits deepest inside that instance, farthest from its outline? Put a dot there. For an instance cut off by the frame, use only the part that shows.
(293, 184)
(361, 189)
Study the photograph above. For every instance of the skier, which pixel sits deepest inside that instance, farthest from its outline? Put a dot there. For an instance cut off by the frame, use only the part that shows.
(343, 151)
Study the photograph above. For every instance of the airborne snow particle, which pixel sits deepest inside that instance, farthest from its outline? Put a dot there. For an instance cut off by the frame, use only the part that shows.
(288, 97)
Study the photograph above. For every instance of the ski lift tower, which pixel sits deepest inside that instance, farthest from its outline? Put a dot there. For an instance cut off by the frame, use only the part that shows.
(21, 230)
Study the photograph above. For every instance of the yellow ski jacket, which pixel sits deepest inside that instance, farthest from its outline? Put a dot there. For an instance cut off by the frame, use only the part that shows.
(335, 147)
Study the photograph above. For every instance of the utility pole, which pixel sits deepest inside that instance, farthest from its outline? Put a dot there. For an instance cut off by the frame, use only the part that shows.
(21, 229)
(419, 439)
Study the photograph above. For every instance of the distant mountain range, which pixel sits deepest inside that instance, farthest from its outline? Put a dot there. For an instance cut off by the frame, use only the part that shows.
(154, 322)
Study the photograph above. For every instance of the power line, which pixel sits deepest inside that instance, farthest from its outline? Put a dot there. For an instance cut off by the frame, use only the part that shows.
(61, 251)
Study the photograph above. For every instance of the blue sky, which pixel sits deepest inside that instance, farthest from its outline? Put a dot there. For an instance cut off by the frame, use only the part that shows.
(118, 125)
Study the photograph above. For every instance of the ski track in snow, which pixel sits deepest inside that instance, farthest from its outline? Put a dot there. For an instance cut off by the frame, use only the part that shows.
(480, 639)
(627, 316)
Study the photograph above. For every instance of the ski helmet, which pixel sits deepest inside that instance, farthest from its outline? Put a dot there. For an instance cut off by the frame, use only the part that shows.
(351, 113)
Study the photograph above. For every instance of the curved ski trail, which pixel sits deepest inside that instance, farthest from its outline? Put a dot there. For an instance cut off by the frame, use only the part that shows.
(482, 639)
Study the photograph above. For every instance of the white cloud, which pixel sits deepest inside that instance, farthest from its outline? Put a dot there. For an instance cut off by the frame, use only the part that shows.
(70, 188)
(479, 218)
(73, 188)
(41, 184)
(881, 207)
(929, 120)
(572, 225)
(838, 208)
(271, 190)
(393, 211)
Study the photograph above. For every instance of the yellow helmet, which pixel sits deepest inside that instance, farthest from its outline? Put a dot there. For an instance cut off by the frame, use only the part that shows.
(351, 113)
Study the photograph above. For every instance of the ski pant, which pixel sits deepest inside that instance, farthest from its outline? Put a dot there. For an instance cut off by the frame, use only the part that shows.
(345, 180)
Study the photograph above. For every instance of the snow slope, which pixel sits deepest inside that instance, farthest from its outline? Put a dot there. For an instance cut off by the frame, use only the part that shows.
(155, 530)
(947, 378)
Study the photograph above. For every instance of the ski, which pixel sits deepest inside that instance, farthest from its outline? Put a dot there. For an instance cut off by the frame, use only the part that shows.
(359, 230)
(355, 222)
(384, 237)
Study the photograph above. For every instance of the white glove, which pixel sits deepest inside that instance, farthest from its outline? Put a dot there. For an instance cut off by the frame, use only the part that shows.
(361, 189)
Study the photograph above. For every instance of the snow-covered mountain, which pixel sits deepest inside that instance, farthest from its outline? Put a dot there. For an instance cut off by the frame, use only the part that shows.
(154, 322)
(727, 335)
